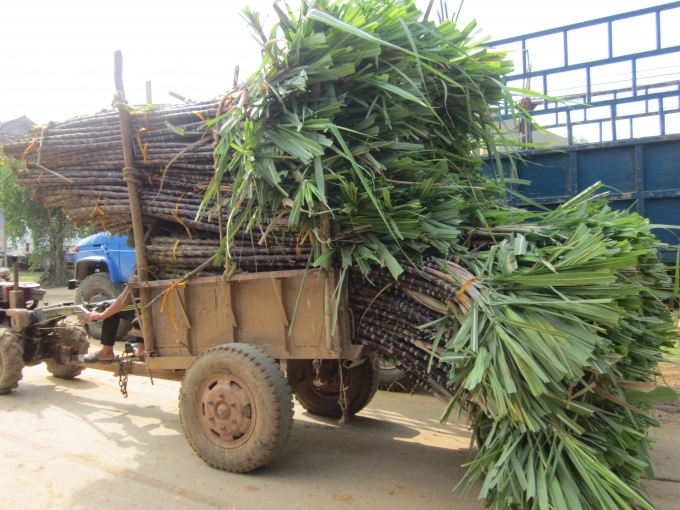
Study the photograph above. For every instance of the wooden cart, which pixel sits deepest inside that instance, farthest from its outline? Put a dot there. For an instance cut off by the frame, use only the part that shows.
(224, 339)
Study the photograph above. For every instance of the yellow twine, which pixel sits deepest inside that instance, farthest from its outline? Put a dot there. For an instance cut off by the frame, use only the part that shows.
(301, 234)
(97, 210)
(468, 242)
(40, 177)
(143, 146)
(28, 149)
(176, 285)
(464, 286)
(174, 250)
(179, 220)
(98, 214)
(200, 116)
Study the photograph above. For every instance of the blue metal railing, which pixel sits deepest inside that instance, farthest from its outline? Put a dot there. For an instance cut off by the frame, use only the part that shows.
(652, 99)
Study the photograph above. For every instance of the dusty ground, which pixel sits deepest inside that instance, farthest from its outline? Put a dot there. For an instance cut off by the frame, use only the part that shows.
(78, 445)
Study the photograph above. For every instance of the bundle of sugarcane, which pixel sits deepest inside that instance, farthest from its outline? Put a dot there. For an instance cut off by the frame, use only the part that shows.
(180, 252)
(550, 335)
(362, 126)
(77, 165)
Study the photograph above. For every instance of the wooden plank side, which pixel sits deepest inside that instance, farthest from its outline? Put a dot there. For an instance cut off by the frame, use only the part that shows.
(168, 341)
(210, 317)
(258, 313)
(308, 327)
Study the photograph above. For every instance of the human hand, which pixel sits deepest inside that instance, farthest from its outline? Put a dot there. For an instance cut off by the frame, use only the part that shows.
(93, 317)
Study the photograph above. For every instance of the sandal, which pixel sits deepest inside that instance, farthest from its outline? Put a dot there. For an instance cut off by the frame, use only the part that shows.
(91, 357)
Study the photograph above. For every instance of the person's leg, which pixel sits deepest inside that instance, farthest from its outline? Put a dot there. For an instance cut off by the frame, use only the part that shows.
(109, 332)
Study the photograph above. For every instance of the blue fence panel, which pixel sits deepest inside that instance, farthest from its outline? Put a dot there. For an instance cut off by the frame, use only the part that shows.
(611, 91)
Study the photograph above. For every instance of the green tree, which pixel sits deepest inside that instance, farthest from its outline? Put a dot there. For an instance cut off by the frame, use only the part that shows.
(47, 228)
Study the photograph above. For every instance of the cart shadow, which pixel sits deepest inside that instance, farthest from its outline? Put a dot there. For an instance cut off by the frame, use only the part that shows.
(97, 413)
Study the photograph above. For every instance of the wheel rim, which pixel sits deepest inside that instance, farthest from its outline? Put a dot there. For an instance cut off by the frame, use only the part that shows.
(330, 390)
(98, 296)
(95, 328)
(226, 410)
(64, 339)
(386, 365)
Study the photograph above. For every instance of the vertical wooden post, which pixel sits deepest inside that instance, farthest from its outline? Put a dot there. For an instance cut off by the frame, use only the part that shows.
(327, 290)
(132, 179)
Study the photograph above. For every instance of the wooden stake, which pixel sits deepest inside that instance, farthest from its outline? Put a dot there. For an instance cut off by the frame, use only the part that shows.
(135, 209)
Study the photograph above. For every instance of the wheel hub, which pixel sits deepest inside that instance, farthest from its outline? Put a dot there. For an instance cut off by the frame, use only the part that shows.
(327, 385)
(226, 411)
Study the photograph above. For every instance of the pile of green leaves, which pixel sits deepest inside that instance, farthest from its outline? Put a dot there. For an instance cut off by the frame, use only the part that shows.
(367, 115)
(559, 355)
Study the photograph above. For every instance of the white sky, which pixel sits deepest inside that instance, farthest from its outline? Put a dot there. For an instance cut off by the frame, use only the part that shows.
(57, 55)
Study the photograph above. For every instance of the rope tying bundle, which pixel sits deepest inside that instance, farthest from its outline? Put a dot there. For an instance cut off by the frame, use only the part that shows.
(175, 214)
(119, 100)
(98, 214)
(131, 174)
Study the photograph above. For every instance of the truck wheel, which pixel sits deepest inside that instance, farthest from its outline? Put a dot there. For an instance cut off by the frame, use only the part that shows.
(361, 383)
(11, 360)
(394, 379)
(236, 407)
(99, 287)
(74, 335)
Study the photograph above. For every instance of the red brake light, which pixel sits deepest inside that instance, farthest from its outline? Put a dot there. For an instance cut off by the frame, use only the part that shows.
(75, 249)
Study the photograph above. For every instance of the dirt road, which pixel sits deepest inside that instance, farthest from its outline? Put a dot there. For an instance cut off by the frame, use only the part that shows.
(79, 445)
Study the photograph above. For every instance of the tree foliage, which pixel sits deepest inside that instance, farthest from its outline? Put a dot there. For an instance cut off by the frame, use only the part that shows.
(46, 228)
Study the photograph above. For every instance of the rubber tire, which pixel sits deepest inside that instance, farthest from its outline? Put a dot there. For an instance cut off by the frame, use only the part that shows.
(100, 283)
(273, 405)
(395, 380)
(11, 360)
(71, 334)
(361, 390)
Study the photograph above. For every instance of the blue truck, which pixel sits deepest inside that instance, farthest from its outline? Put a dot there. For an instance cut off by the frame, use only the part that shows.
(103, 265)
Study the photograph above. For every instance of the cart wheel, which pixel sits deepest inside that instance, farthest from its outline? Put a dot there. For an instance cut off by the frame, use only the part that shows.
(11, 360)
(361, 383)
(394, 379)
(236, 407)
(74, 335)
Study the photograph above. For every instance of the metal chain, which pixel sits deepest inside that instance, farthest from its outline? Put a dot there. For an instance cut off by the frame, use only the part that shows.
(123, 372)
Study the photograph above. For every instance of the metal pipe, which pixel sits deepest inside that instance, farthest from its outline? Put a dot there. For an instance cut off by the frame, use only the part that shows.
(135, 209)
